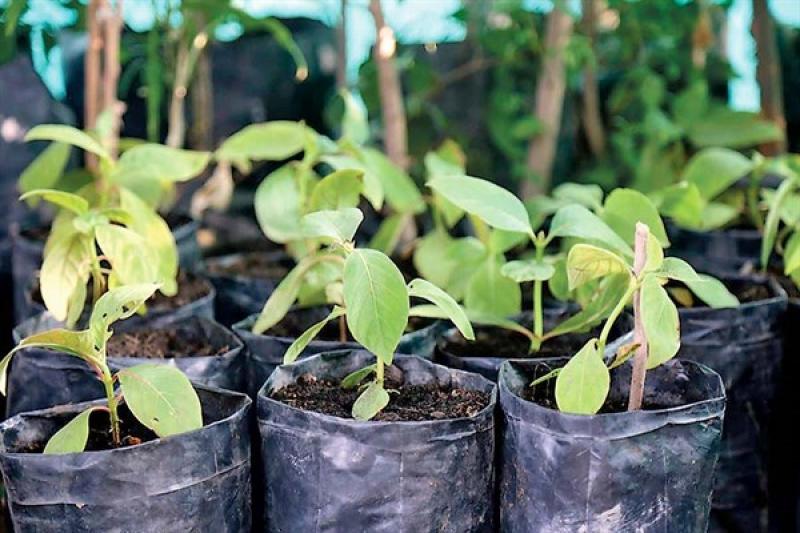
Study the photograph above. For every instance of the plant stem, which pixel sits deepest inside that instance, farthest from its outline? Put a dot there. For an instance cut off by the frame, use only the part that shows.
(342, 329)
(113, 404)
(639, 373)
(379, 371)
(601, 342)
(538, 314)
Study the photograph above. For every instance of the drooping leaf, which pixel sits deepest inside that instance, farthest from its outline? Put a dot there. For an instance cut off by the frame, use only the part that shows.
(339, 225)
(45, 171)
(712, 291)
(376, 299)
(399, 189)
(67, 135)
(494, 205)
(73, 436)
(578, 222)
(625, 207)
(66, 266)
(297, 347)
(269, 141)
(660, 322)
(116, 304)
(492, 293)
(583, 383)
(714, 170)
(132, 259)
(773, 219)
(161, 398)
(426, 290)
(150, 161)
(586, 262)
(370, 402)
(677, 269)
(337, 190)
(528, 270)
(277, 205)
(73, 202)
(373, 189)
(354, 379)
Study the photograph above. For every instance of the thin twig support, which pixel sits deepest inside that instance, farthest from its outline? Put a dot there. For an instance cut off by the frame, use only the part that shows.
(639, 373)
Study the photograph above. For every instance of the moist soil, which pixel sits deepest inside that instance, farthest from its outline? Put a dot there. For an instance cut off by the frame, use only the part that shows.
(408, 403)
(506, 344)
(252, 265)
(161, 344)
(190, 289)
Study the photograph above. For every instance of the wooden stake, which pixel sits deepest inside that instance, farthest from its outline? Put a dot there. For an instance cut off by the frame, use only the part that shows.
(395, 130)
(341, 48)
(768, 73)
(112, 29)
(91, 73)
(590, 112)
(636, 394)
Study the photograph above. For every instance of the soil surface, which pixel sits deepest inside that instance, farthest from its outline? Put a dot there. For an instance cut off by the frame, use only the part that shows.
(161, 344)
(500, 342)
(190, 289)
(252, 265)
(407, 402)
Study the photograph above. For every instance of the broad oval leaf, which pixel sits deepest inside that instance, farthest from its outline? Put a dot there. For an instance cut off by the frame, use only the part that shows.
(45, 171)
(73, 436)
(338, 189)
(150, 161)
(376, 299)
(583, 383)
(373, 189)
(578, 222)
(528, 270)
(270, 141)
(490, 292)
(660, 321)
(733, 129)
(586, 262)
(277, 205)
(491, 203)
(603, 300)
(399, 190)
(713, 170)
(712, 291)
(426, 290)
(67, 200)
(370, 402)
(589, 196)
(677, 269)
(67, 135)
(132, 258)
(66, 265)
(339, 225)
(625, 207)
(308, 335)
(116, 304)
(161, 398)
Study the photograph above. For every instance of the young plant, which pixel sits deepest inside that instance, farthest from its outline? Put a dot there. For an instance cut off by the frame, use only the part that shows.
(159, 396)
(582, 385)
(369, 295)
(782, 225)
(495, 282)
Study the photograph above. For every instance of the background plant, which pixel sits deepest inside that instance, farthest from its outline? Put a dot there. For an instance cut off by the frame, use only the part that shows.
(158, 396)
(782, 226)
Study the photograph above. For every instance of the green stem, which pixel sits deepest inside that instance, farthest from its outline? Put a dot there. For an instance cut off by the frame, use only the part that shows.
(538, 313)
(601, 342)
(379, 371)
(113, 404)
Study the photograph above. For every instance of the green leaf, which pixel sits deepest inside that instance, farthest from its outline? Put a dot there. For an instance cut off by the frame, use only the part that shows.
(67, 135)
(660, 322)
(132, 258)
(791, 254)
(586, 262)
(338, 189)
(339, 225)
(399, 189)
(426, 290)
(589, 196)
(354, 122)
(308, 335)
(277, 205)
(712, 291)
(159, 163)
(655, 254)
(677, 269)
(45, 171)
(625, 207)
(76, 343)
(270, 141)
(491, 293)
(714, 170)
(373, 189)
(155, 231)
(494, 205)
(354, 379)
(528, 270)
(116, 304)
(773, 219)
(72, 202)
(578, 222)
(73, 436)
(603, 300)
(431, 258)
(376, 299)
(733, 129)
(717, 215)
(500, 241)
(681, 202)
(389, 232)
(370, 402)
(65, 267)
(583, 383)
(161, 398)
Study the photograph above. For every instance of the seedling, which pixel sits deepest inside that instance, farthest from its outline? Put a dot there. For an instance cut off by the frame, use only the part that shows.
(782, 226)
(368, 292)
(159, 396)
(582, 385)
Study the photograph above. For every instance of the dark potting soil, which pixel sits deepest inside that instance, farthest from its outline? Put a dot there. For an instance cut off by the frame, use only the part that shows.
(543, 394)
(407, 402)
(500, 342)
(252, 265)
(296, 322)
(132, 432)
(190, 289)
(161, 344)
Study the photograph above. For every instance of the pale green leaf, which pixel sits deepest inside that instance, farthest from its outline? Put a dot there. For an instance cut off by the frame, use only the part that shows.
(599, 306)
(714, 170)
(354, 379)
(431, 258)
(494, 205)
(300, 343)
(682, 203)
(625, 207)
(426, 290)
(376, 299)
(66, 265)
(389, 232)
(67, 135)
(160, 163)
(45, 171)
(655, 254)
(583, 383)
(791, 253)
(712, 291)
(773, 218)
(339, 225)
(116, 304)
(578, 222)
(73, 202)
(338, 189)
(586, 262)
(354, 122)
(491, 293)
(373, 189)
(716, 215)
(399, 189)
(132, 258)
(370, 402)
(589, 196)
(278, 205)
(528, 270)
(73, 436)
(733, 129)
(269, 141)
(660, 322)
(161, 398)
